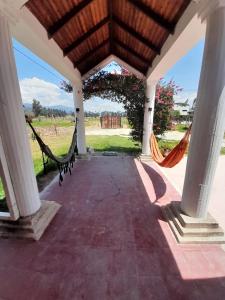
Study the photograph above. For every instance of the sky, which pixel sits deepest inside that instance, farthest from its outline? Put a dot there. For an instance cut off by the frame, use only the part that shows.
(40, 81)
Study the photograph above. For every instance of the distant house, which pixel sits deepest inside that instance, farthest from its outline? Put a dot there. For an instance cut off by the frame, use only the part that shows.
(183, 112)
(183, 108)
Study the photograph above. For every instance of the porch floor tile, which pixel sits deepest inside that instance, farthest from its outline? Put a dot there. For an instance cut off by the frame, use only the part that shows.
(110, 241)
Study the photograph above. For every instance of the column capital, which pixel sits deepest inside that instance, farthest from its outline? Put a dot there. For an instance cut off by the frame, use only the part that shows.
(207, 7)
(11, 10)
(78, 85)
(151, 82)
(150, 87)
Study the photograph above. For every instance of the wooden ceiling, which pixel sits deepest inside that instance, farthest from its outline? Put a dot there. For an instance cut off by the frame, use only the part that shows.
(88, 31)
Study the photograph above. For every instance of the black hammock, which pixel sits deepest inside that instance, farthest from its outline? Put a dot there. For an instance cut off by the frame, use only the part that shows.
(65, 163)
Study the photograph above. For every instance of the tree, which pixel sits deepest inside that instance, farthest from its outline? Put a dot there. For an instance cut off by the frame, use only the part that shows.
(175, 115)
(36, 107)
(129, 90)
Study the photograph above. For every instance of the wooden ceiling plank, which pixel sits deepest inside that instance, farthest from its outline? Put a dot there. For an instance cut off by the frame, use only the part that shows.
(90, 53)
(81, 39)
(132, 51)
(116, 53)
(135, 34)
(110, 8)
(67, 17)
(157, 18)
(95, 63)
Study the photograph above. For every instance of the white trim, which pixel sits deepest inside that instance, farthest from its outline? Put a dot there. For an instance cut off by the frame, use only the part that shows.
(107, 61)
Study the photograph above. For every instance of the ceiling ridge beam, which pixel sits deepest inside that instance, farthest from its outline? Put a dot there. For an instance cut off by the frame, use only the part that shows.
(132, 51)
(135, 34)
(157, 18)
(110, 12)
(67, 17)
(81, 39)
(122, 57)
(90, 53)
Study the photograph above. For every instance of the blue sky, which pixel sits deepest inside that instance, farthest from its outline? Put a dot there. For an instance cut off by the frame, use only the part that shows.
(39, 80)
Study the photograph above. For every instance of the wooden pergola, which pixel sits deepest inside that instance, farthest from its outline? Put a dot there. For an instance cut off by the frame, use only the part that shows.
(77, 37)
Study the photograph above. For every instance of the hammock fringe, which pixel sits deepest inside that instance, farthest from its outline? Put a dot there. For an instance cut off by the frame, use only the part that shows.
(64, 164)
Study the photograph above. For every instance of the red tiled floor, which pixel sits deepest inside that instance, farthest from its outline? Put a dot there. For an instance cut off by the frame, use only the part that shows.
(109, 241)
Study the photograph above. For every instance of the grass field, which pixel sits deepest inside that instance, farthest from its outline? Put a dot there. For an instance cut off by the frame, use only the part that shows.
(113, 143)
(2, 194)
(60, 143)
(181, 127)
(93, 122)
(49, 122)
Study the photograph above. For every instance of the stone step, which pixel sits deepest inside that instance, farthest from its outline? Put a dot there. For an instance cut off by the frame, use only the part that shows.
(193, 238)
(193, 231)
(32, 226)
(109, 153)
(144, 157)
(186, 221)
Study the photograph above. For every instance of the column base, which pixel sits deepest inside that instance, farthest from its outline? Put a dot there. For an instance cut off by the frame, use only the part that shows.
(145, 157)
(31, 227)
(188, 230)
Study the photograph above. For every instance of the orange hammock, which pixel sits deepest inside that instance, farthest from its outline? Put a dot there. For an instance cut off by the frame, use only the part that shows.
(175, 155)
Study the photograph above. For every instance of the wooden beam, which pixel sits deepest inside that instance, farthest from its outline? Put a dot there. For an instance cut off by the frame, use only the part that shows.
(135, 34)
(124, 58)
(157, 18)
(110, 10)
(94, 64)
(67, 17)
(89, 54)
(132, 51)
(81, 39)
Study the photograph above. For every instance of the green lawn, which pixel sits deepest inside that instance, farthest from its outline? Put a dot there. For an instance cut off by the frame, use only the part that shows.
(68, 121)
(93, 122)
(2, 194)
(113, 143)
(61, 145)
(181, 127)
(49, 122)
(167, 144)
(222, 152)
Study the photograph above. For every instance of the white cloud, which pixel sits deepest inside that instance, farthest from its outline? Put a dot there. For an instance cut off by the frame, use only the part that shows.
(46, 92)
(99, 105)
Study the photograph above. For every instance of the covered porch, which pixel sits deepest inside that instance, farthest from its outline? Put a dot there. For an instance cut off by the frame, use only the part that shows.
(103, 234)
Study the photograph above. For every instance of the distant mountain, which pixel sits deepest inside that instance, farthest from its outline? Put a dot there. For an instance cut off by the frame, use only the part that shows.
(67, 109)
(27, 106)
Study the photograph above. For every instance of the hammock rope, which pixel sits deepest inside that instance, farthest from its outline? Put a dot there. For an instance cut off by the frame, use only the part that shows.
(64, 164)
(175, 155)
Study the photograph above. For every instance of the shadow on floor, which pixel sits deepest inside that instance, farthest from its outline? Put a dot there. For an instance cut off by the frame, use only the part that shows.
(116, 248)
(157, 181)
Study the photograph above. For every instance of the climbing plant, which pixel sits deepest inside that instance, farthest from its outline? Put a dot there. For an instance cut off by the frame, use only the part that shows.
(129, 90)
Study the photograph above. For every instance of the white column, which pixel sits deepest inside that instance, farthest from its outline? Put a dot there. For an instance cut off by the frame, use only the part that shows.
(148, 115)
(79, 113)
(209, 119)
(13, 129)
